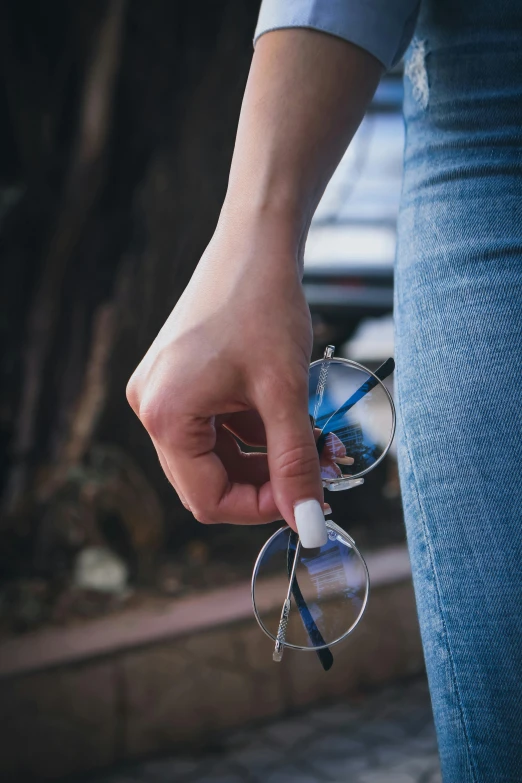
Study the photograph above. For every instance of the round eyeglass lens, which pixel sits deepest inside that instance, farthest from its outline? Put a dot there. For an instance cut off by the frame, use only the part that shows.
(354, 418)
(329, 591)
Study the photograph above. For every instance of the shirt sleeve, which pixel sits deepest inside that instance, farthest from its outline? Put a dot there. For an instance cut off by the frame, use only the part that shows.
(382, 27)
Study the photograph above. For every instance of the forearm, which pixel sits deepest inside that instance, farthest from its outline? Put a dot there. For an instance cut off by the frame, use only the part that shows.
(306, 95)
(239, 340)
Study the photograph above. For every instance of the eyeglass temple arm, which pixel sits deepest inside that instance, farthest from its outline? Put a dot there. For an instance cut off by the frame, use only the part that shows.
(385, 369)
(324, 655)
(381, 372)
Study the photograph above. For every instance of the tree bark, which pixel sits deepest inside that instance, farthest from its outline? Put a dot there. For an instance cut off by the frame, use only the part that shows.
(121, 125)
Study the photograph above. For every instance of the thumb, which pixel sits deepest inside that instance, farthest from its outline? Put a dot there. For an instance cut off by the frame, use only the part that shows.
(293, 461)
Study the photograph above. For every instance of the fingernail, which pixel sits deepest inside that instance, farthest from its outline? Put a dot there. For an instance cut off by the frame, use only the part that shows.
(344, 460)
(327, 509)
(309, 518)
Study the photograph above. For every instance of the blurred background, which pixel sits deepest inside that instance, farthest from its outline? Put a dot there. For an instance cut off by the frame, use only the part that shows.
(125, 627)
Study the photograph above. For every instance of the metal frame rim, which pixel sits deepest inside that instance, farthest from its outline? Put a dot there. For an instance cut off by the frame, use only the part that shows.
(333, 526)
(358, 366)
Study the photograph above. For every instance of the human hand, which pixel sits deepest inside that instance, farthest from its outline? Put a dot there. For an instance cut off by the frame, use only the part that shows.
(232, 359)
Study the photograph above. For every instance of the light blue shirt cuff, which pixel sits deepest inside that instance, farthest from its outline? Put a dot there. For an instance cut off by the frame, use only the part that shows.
(382, 27)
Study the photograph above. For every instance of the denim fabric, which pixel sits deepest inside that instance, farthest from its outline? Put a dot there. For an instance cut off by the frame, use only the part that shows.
(459, 375)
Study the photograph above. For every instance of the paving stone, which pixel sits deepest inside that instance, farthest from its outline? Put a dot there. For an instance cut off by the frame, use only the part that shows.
(219, 776)
(237, 739)
(424, 744)
(337, 744)
(335, 715)
(386, 730)
(258, 755)
(287, 732)
(417, 766)
(372, 739)
(389, 755)
(341, 768)
(434, 777)
(292, 774)
(167, 770)
(385, 776)
(133, 777)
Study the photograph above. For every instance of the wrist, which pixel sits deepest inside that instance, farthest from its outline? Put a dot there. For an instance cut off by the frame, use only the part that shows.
(277, 225)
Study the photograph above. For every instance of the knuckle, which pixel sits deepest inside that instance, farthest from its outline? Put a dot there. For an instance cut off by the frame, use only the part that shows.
(202, 516)
(132, 393)
(283, 390)
(194, 436)
(158, 410)
(151, 415)
(286, 377)
(297, 462)
(296, 384)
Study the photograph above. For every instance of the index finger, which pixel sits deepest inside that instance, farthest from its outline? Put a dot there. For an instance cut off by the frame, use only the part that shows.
(203, 480)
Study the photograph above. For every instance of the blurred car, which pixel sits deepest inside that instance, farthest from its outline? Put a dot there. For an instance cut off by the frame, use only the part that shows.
(349, 256)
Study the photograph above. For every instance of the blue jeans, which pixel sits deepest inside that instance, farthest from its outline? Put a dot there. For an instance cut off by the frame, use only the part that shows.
(459, 375)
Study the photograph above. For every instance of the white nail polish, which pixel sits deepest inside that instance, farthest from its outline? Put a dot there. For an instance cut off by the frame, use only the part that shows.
(327, 509)
(309, 518)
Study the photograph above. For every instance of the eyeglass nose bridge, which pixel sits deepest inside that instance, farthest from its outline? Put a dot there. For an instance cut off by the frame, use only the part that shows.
(339, 484)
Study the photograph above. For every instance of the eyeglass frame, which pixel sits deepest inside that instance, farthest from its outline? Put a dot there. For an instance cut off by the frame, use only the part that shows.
(323, 651)
(332, 526)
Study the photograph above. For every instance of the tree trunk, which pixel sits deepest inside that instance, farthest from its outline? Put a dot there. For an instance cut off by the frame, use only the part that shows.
(115, 158)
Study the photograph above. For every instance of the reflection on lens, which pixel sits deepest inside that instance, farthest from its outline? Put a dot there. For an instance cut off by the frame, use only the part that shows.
(353, 418)
(329, 592)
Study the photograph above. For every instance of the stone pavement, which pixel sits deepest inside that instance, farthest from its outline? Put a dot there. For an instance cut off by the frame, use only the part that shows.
(382, 737)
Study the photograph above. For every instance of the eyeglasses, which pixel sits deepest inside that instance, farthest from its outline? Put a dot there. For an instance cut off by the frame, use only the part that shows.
(326, 589)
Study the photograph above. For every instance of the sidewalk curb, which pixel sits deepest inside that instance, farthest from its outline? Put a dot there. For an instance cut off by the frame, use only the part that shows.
(144, 683)
(137, 628)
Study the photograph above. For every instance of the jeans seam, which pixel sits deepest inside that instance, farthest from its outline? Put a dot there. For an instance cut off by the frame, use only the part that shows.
(437, 588)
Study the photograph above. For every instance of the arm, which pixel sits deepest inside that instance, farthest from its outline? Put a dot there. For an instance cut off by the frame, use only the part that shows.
(306, 95)
(233, 355)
